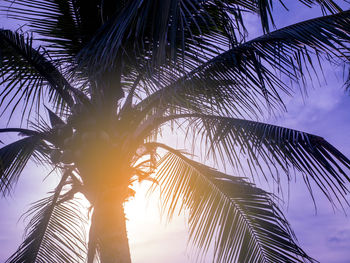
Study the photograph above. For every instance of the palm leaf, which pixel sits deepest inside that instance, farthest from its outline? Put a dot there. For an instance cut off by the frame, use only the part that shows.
(20, 131)
(54, 234)
(242, 81)
(269, 149)
(238, 219)
(265, 8)
(169, 28)
(54, 20)
(65, 26)
(261, 149)
(55, 120)
(160, 30)
(27, 74)
(326, 5)
(13, 159)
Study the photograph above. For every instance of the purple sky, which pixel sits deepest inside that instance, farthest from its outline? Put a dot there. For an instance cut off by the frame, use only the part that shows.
(325, 235)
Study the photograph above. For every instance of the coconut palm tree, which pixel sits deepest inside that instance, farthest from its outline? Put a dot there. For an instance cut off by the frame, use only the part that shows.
(111, 75)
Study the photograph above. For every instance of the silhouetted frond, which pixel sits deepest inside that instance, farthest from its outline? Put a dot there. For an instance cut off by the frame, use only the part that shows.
(13, 158)
(54, 234)
(153, 33)
(240, 221)
(54, 119)
(65, 26)
(261, 149)
(242, 81)
(27, 75)
(20, 131)
(265, 149)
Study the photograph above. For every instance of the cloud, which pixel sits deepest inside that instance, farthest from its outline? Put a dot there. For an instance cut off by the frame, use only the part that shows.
(341, 239)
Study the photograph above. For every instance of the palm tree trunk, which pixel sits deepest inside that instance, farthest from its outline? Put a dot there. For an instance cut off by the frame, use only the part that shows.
(109, 227)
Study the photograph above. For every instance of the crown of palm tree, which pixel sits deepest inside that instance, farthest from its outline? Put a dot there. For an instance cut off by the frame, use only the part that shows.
(113, 74)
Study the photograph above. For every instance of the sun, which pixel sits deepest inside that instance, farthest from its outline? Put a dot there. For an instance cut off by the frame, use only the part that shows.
(149, 232)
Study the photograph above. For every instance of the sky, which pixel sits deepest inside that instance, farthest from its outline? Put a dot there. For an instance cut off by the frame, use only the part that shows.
(323, 233)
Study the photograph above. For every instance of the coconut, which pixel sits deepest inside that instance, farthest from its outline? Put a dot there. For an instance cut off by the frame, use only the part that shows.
(55, 156)
(67, 157)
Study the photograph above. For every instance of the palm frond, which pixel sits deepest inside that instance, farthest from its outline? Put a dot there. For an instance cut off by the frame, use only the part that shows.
(54, 119)
(240, 221)
(347, 76)
(261, 149)
(173, 29)
(55, 21)
(54, 234)
(20, 131)
(27, 74)
(64, 26)
(13, 159)
(326, 5)
(269, 149)
(161, 32)
(242, 81)
(265, 9)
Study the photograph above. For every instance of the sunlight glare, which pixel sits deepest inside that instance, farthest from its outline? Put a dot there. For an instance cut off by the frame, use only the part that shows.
(151, 238)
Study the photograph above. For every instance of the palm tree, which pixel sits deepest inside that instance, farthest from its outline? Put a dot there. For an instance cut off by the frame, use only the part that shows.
(113, 74)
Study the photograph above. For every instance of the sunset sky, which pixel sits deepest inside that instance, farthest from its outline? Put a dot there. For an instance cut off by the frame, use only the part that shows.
(324, 234)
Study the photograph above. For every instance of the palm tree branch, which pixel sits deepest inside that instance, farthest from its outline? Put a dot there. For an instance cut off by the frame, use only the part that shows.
(268, 147)
(54, 233)
(21, 131)
(223, 209)
(58, 23)
(13, 159)
(264, 8)
(241, 78)
(171, 31)
(25, 71)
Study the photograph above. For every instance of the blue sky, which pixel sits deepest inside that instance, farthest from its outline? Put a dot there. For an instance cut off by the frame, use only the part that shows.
(324, 235)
